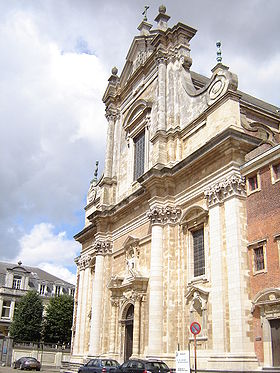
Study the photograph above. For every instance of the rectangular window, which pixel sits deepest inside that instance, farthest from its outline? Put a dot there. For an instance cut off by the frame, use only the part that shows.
(139, 155)
(6, 309)
(57, 290)
(253, 183)
(276, 172)
(16, 282)
(198, 252)
(72, 292)
(259, 258)
(42, 289)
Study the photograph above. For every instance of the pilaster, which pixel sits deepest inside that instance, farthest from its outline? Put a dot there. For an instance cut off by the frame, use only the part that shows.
(101, 249)
(158, 217)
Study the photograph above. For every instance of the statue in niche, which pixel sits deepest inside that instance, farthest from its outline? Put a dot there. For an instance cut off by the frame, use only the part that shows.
(131, 261)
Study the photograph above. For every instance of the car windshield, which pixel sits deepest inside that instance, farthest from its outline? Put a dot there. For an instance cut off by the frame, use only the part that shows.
(109, 363)
(157, 365)
(30, 359)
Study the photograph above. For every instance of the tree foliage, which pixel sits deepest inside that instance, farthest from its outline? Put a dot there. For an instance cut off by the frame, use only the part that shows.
(27, 322)
(58, 320)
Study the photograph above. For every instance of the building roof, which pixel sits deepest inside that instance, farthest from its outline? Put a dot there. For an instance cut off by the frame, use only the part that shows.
(35, 273)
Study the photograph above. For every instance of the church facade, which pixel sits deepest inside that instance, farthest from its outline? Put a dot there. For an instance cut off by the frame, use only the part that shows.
(165, 241)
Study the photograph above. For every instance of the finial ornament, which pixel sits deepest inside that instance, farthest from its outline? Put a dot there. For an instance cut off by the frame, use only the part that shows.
(145, 13)
(114, 70)
(219, 52)
(96, 170)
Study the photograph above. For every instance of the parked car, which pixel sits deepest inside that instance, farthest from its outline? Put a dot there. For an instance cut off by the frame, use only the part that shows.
(143, 366)
(99, 366)
(27, 363)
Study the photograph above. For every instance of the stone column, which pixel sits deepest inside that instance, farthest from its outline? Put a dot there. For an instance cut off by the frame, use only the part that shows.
(156, 289)
(101, 248)
(233, 189)
(114, 305)
(78, 313)
(111, 117)
(236, 291)
(158, 216)
(217, 276)
(136, 327)
(84, 307)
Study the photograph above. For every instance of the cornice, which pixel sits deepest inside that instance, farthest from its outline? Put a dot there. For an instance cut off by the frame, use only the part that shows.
(244, 140)
(84, 233)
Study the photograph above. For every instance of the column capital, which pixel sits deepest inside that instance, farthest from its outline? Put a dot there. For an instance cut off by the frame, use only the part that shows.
(82, 262)
(233, 185)
(115, 302)
(161, 57)
(164, 215)
(102, 247)
(112, 115)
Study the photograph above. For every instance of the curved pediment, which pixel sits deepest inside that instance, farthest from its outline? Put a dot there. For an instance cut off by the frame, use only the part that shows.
(193, 216)
(268, 296)
(137, 115)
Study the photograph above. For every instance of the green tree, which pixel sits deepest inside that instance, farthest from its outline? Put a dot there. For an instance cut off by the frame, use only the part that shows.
(27, 322)
(58, 320)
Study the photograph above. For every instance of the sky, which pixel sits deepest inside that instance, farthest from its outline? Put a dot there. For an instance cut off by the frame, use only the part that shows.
(55, 60)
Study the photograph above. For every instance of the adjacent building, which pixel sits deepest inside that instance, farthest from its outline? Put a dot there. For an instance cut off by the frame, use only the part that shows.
(262, 171)
(16, 280)
(183, 225)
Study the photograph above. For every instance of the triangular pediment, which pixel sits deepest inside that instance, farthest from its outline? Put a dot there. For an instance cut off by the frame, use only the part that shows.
(137, 55)
(130, 241)
(196, 290)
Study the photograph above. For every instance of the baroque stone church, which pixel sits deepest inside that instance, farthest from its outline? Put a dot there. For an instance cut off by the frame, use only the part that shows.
(165, 236)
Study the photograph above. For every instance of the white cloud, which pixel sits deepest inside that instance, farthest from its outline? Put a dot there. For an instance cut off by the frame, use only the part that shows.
(45, 249)
(59, 271)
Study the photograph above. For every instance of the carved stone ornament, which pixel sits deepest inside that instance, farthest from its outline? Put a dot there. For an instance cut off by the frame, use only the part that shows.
(83, 262)
(163, 215)
(115, 302)
(233, 185)
(93, 192)
(102, 247)
(112, 114)
(261, 130)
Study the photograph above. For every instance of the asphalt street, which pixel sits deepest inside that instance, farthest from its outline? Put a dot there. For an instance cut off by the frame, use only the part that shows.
(11, 370)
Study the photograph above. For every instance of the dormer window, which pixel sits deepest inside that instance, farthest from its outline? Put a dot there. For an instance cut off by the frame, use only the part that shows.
(17, 282)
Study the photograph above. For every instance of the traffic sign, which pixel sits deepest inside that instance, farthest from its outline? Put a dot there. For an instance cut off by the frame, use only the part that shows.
(195, 328)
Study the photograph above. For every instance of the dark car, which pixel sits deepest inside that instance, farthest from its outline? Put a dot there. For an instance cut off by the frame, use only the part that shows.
(27, 363)
(99, 366)
(143, 366)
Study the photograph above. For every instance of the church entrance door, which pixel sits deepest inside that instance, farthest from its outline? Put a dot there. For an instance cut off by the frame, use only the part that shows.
(275, 340)
(128, 332)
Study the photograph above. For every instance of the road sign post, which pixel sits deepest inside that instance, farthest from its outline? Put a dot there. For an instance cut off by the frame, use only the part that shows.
(195, 329)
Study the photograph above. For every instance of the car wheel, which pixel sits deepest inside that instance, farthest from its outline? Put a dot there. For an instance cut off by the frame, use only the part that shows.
(38, 368)
(21, 367)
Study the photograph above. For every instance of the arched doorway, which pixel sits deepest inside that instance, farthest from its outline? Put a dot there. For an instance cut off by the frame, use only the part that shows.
(128, 332)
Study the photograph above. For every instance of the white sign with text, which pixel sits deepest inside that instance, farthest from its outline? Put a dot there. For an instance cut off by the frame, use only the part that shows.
(182, 362)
